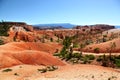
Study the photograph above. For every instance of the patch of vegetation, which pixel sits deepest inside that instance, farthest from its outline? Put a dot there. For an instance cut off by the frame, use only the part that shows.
(104, 39)
(16, 74)
(75, 45)
(85, 60)
(87, 42)
(77, 55)
(92, 76)
(106, 61)
(97, 50)
(90, 57)
(56, 54)
(20, 66)
(99, 59)
(117, 62)
(48, 68)
(4, 28)
(112, 78)
(51, 39)
(7, 70)
(80, 40)
(42, 70)
(1, 42)
(52, 68)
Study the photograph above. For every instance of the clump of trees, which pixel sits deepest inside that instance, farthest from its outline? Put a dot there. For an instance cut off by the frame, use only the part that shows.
(80, 41)
(107, 62)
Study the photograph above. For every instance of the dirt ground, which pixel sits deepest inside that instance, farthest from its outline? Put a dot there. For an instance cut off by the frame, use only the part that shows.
(67, 72)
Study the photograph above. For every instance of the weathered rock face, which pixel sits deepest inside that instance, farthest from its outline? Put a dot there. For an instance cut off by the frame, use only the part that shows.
(20, 31)
(18, 25)
(22, 36)
(96, 27)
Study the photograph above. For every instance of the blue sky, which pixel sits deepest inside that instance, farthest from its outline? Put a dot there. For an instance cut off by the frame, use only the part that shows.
(82, 12)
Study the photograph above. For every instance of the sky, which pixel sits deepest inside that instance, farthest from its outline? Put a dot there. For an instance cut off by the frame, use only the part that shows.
(82, 12)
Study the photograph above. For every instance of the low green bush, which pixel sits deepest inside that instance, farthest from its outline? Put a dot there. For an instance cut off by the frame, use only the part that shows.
(90, 57)
(51, 39)
(56, 54)
(7, 70)
(16, 74)
(77, 55)
(117, 57)
(52, 68)
(117, 62)
(97, 50)
(74, 60)
(85, 60)
(99, 59)
(75, 45)
(1, 42)
(48, 68)
(42, 70)
(68, 56)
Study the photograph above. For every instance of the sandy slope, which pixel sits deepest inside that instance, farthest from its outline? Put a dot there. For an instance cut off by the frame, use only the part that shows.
(112, 31)
(17, 53)
(68, 72)
(20, 46)
(103, 46)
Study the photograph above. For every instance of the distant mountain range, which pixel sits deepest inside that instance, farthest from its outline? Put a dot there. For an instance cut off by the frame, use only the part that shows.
(58, 26)
(117, 26)
(61, 25)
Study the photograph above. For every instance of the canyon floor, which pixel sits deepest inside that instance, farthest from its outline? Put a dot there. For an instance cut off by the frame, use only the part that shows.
(29, 52)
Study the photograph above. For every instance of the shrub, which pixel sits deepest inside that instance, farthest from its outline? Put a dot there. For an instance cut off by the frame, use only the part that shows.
(75, 45)
(56, 54)
(87, 42)
(74, 60)
(7, 70)
(42, 70)
(51, 39)
(104, 35)
(48, 68)
(77, 55)
(90, 57)
(104, 39)
(4, 28)
(117, 57)
(68, 56)
(52, 68)
(1, 42)
(99, 59)
(105, 63)
(63, 51)
(16, 74)
(117, 62)
(97, 50)
(85, 60)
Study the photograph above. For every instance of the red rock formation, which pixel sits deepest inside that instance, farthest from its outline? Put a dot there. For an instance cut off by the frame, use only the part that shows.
(96, 27)
(19, 24)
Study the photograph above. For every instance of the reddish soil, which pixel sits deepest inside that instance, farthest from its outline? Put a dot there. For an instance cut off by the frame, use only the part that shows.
(16, 53)
(103, 47)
